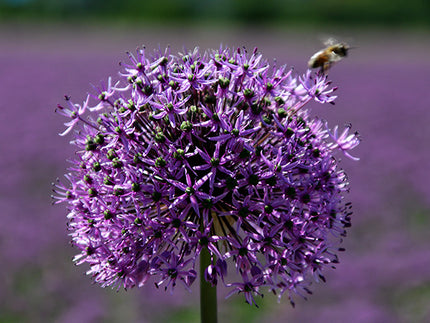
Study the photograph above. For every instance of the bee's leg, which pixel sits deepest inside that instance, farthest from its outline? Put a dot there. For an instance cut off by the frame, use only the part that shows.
(325, 67)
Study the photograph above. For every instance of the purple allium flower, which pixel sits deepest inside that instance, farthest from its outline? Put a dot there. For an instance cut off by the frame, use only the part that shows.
(212, 151)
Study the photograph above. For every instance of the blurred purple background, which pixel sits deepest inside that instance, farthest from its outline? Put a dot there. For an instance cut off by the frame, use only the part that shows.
(384, 91)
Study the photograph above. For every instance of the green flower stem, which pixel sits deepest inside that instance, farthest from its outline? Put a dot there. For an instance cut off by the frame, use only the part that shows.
(208, 300)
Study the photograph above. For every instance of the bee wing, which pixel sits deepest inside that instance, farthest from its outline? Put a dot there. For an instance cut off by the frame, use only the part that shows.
(329, 41)
(334, 57)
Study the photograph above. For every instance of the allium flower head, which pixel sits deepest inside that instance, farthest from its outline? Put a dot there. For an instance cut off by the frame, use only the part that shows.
(212, 150)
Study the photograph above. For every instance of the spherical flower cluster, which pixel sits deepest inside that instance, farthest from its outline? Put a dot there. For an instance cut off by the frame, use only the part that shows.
(214, 151)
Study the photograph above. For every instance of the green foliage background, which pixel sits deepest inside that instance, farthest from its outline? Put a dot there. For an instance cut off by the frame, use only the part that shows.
(330, 12)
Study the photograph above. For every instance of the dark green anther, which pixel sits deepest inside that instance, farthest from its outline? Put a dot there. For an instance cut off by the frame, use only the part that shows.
(214, 161)
(135, 187)
(243, 105)
(266, 102)
(164, 61)
(301, 122)
(256, 109)
(248, 93)
(118, 191)
(173, 273)
(159, 137)
(267, 119)
(204, 241)
(69, 195)
(224, 82)
(160, 162)
(279, 100)
(186, 126)
(90, 145)
(316, 153)
(178, 154)
(96, 166)
(282, 113)
(289, 132)
(92, 192)
(190, 190)
(173, 84)
(235, 132)
(108, 215)
(268, 209)
(111, 154)
(147, 90)
(116, 163)
(139, 83)
(136, 158)
(99, 139)
(215, 117)
(107, 181)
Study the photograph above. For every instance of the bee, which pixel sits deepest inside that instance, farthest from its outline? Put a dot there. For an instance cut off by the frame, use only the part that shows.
(326, 57)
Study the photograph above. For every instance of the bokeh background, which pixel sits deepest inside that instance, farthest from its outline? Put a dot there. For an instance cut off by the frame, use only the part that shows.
(50, 48)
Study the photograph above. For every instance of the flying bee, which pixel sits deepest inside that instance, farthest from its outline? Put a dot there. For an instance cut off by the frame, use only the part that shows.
(326, 57)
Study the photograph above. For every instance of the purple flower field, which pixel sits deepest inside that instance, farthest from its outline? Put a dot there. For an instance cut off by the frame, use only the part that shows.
(383, 86)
